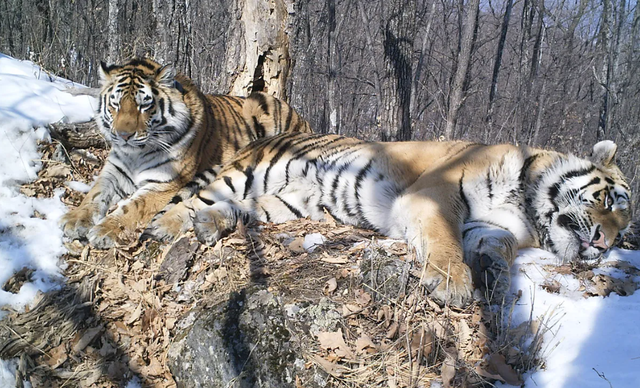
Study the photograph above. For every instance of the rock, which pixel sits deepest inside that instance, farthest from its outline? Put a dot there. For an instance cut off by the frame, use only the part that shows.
(243, 342)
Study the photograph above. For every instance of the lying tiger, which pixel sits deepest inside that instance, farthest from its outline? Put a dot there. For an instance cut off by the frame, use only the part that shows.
(163, 132)
(466, 208)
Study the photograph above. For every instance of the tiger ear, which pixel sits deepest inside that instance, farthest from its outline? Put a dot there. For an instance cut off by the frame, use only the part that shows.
(165, 76)
(103, 72)
(604, 153)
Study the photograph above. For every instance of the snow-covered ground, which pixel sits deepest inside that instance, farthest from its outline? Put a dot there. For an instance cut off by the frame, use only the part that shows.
(593, 342)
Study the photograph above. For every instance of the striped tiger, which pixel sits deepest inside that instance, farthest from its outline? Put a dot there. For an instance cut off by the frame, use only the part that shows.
(464, 207)
(163, 132)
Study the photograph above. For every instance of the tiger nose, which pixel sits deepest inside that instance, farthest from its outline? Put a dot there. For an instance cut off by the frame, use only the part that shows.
(599, 241)
(126, 135)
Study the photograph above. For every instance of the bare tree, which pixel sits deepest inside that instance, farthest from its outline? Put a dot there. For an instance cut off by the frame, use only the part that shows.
(467, 37)
(498, 61)
(397, 29)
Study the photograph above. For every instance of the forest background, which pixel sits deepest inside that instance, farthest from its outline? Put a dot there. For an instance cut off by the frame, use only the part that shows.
(559, 74)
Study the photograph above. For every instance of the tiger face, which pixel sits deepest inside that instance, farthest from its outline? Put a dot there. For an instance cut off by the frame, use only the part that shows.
(141, 105)
(591, 206)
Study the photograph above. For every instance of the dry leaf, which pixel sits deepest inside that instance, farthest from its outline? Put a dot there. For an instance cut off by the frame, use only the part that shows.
(86, 338)
(57, 170)
(424, 337)
(153, 369)
(365, 344)
(58, 356)
(295, 246)
(334, 370)
(135, 315)
(384, 313)
(506, 372)
(393, 330)
(551, 286)
(335, 341)
(362, 298)
(448, 371)
(334, 260)
(330, 286)
(328, 218)
(348, 309)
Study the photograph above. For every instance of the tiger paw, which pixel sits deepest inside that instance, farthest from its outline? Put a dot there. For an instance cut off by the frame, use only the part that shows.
(76, 223)
(491, 274)
(211, 225)
(449, 284)
(167, 226)
(105, 235)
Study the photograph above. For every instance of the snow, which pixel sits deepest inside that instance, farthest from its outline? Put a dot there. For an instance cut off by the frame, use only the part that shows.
(312, 241)
(30, 98)
(587, 338)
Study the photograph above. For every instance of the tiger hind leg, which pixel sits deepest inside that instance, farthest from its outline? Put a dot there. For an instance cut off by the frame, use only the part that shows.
(177, 216)
(490, 251)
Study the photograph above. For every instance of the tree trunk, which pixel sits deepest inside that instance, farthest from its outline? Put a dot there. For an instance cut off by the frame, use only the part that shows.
(456, 95)
(398, 30)
(498, 61)
(112, 29)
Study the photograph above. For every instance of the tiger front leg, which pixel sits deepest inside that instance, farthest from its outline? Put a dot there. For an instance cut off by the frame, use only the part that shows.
(120, 225)
(432, 228)
(77, 223)
(490, 251)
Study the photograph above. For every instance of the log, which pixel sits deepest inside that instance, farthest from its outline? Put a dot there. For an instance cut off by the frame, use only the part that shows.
(78, 135)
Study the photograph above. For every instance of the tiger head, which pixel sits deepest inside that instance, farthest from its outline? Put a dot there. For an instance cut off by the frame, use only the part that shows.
(586, 204)
(141, 105)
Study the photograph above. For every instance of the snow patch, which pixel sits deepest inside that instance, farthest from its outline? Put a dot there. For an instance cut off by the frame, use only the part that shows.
(312, 241)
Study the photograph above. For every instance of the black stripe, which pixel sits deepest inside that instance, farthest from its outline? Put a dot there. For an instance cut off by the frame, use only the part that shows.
(248, 172)
(121, 171)
(259, 128)
(464, 232)
(554, 190)
(176, 199)
(289, 118)
(229, 183)
(525, 167)
(359, 178)
(266, 213)
(148, 181)
(489, 185)
(203, 176)
(161, 106)
(172, 112)
(168, 160)
(290, 207)
(207, 201)
(463, 197)
(141, 62)
(275, 160)
(336, 179)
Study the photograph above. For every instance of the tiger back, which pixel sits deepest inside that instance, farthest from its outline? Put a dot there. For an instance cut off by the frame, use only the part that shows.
(163, 131)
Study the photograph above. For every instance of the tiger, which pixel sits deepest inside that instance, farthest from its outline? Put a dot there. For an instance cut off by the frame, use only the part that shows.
(464, 208)
(163, 132)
